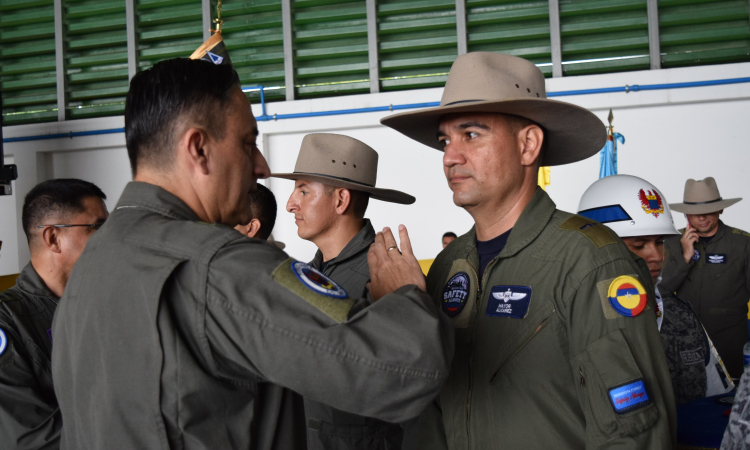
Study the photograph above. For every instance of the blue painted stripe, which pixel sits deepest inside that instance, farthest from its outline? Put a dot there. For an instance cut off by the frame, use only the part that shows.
(606, 214)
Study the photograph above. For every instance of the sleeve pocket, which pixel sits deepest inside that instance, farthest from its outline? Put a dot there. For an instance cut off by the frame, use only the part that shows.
(605, 372)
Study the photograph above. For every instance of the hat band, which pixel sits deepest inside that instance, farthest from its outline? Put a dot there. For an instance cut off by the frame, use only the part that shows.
(336, 178)
(462, 101)
(703, 203)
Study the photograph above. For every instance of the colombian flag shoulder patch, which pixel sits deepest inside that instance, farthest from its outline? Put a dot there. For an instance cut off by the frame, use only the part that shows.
(627, 296)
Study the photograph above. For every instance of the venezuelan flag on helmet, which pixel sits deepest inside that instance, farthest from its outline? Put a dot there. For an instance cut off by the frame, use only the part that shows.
(213, 50)
(627, 296)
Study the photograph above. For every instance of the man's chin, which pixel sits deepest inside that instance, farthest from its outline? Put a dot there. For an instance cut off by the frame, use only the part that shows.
(464, 200)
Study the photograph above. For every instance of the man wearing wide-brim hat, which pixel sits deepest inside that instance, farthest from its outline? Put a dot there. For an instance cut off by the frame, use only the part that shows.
(555, 339)
(709, 266)
(335, 176)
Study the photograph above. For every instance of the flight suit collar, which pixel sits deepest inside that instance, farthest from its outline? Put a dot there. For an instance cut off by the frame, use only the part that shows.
(31, 283)
(154, 198)
(361, 241)
(720, 232)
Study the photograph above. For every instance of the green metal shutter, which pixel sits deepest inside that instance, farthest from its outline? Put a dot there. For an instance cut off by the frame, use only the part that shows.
(512, 27)
(168, 29)
(595, 32)
(27, 61)
(694, 32)
(417, 42)
(97, 57)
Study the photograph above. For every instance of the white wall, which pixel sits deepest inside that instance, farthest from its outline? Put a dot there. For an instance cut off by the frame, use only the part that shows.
(671, 135)
(9, 252)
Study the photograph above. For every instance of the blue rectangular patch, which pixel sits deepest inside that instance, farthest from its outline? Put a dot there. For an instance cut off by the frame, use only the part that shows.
(509, 301)
(716, 258)
(629, 397)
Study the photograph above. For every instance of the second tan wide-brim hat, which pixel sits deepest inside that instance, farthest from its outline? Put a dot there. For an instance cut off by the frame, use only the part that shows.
(483, 82)
(342, 161)
(702, 197)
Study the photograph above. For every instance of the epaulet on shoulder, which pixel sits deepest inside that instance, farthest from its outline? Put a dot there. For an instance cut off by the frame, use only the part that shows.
(740, 232)
(593, 230)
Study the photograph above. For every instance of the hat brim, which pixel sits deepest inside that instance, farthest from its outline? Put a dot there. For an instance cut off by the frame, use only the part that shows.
(705, 208)
(573, 133)
(386, 195)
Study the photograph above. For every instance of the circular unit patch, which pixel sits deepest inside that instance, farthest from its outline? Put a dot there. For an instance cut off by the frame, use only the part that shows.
(315, 280)
(3, 341)
(627, 296)
(455, 294)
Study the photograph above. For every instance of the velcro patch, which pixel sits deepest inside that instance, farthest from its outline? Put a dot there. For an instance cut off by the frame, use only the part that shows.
(603, 287)
(315, 288)
(629, 397)
(716, 258)
(690, 357)
(594, 231)
(509, 301)
(627, 296)
(456, 293)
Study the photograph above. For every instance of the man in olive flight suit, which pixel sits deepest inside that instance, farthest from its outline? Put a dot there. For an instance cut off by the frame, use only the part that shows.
(553, 346)
(58, 218)
(172, 320)
(334, 179)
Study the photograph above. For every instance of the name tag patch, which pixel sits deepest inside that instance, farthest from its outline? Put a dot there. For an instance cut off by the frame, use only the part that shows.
(629, 397)
(690, 357)
(455, 294)
(717, 258)
(3, 341)
(509, 301)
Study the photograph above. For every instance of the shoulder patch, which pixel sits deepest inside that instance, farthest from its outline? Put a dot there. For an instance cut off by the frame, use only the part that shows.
(315, 288)
(3, 342)
(594, 231)
(622, 296)
(740, 232)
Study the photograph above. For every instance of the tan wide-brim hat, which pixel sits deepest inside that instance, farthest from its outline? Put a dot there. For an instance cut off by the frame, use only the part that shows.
(483, 82)
(702, 197)
(342, 161)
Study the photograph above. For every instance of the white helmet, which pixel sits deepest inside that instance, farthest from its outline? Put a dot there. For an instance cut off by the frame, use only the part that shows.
(629, 205)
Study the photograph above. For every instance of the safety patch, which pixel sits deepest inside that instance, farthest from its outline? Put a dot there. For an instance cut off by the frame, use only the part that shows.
(717, 258)
(315, 288)
(3, 341)
(627, 296)
(455, 294)
(216, 59)
(595, 232)
(690, 357)
(509, 301)
(629, 397)
(696, 255)
(651, 202)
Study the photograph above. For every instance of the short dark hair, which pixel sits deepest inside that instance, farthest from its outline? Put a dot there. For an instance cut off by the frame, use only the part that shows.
(263, 203)
(52, 197)
(359, 200)
(450, 234)
(167, 92)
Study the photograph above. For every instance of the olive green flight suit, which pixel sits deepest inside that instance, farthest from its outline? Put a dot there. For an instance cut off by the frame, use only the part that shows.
(716, 282)
(29, 415)
(169, 327)
(549, 378)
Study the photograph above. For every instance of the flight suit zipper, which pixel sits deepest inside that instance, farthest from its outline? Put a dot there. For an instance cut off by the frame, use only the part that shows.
(520, 346)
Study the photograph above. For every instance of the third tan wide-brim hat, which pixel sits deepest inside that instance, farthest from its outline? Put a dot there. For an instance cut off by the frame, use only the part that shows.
(702, 197)
(342, 161)
(483, 82)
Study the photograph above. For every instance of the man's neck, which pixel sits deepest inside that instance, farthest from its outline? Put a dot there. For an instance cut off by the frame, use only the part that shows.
(494, 219)
(53, 278)
(333, 241)
(177, 189)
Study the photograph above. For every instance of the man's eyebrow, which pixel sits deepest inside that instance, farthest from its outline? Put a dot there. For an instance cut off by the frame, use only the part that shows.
(473, 124)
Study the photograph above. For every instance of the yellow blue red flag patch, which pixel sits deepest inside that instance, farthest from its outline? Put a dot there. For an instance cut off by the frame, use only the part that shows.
(627, 296)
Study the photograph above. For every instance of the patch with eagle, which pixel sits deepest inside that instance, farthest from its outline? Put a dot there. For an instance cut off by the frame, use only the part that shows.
(651, 202)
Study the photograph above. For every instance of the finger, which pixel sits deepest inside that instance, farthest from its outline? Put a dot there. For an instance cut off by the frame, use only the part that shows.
(379, 247)
(390, 241)
(403, 235)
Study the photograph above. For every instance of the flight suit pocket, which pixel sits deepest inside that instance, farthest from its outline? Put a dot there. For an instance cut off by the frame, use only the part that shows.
(614, 396)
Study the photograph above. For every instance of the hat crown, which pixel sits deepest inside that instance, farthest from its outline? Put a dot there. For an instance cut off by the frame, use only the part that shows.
(485, 76)
(338, 156)
(701, 191)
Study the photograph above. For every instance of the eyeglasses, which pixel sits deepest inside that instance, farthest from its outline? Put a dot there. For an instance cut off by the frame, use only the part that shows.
(95, 226)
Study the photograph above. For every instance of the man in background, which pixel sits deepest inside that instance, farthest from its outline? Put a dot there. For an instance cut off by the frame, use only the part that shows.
(263, 206)
(448, 238)
(334, 180)
(58, 218)
(709, 266)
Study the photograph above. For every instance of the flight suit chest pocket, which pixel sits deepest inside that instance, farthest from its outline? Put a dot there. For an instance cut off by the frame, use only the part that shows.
(613, 394)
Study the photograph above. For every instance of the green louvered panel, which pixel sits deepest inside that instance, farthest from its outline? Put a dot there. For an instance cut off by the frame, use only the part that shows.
(601, 36)
(512, 27)
(330, 47)
(27, 61)
(694, 32)
(168, 29)
(252, 32)
(97, 57)
(417, 42)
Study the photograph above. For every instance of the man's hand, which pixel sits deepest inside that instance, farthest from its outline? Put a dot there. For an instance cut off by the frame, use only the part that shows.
(390, 268)
(688, 241)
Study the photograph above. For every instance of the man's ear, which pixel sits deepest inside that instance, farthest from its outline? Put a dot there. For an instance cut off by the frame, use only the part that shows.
(530, 140)
(193, 146)
(253, 228)
(343, 200)
(50, 238)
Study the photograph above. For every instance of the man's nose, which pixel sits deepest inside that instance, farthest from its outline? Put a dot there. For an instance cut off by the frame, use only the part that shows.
(453, 154)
